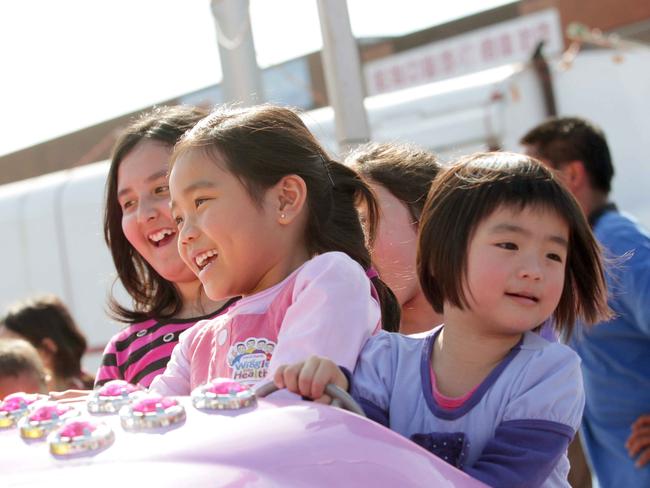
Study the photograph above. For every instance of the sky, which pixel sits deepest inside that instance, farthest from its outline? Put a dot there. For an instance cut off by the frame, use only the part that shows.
(70, 64)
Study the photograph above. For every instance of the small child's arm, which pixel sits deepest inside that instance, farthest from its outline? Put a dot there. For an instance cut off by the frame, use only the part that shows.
(539, 422)
(309, 378)
(175, 380)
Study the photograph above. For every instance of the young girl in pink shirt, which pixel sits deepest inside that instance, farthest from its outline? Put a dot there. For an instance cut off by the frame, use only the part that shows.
(263, 213)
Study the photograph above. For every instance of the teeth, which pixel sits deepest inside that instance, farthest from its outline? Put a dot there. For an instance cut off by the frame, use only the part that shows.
(204, 256)
(160, 235)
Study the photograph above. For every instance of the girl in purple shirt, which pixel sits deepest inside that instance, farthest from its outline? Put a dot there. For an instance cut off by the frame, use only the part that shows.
(502, 247)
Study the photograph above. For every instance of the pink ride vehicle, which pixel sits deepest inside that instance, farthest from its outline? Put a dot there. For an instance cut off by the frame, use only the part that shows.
(223, 435)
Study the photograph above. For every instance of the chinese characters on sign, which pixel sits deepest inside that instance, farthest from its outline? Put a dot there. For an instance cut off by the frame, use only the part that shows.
(503, 43)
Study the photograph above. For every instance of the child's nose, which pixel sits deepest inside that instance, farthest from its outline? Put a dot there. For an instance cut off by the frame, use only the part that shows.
(188, 232)
(531, 269)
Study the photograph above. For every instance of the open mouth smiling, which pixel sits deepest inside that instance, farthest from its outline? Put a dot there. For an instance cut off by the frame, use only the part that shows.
(203, 259)
(161, 237)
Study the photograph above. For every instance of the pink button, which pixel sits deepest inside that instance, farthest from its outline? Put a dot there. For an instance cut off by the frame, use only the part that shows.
(77, 428)
(19, 401)
(117, 388)
(48, 411)
(224, 386)
(152, 403)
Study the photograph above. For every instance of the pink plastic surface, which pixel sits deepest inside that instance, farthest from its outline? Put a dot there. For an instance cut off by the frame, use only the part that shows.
(280, 442)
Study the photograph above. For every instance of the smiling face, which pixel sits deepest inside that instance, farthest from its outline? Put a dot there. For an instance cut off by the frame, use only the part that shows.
(228, 241)
(515, 268)
(143, 195)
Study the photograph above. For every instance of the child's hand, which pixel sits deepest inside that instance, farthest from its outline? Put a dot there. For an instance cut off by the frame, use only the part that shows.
(639, 441)
(310, 378)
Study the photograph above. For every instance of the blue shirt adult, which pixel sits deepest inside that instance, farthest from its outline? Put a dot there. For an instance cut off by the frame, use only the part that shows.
(616, 354)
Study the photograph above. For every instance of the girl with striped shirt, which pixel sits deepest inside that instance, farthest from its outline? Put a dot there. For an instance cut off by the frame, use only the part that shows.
(142, 237)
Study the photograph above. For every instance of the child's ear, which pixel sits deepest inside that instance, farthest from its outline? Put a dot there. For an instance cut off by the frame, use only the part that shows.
(291, 196)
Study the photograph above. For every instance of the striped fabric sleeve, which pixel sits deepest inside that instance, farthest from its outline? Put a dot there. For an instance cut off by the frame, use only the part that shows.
(108, 369)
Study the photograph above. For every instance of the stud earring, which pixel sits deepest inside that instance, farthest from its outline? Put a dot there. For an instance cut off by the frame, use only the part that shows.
(283, 216)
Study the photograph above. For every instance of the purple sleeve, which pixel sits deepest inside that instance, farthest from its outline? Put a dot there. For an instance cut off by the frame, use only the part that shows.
(372, 382)
(372, 411)
(522, 453)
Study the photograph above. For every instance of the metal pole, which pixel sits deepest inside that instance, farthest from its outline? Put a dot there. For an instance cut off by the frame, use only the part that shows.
(343, 74)
(242, 80)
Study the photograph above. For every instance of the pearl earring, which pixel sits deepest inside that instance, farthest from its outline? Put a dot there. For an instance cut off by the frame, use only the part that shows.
(283, 216)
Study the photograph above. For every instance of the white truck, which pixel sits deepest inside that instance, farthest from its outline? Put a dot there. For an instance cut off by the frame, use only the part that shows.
(52, 240)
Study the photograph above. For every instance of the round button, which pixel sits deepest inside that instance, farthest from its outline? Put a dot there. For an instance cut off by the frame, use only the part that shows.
(44, 418)
(112, 396)
(15, 406)
(223, 394)
(80, 435)
(141, 333)
(168, 337)
(150, 412)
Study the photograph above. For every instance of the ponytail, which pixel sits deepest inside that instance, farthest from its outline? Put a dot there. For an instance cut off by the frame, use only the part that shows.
(341, 230)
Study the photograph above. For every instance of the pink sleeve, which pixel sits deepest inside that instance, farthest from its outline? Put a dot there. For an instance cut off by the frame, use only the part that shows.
(332, 314)
(176, 378)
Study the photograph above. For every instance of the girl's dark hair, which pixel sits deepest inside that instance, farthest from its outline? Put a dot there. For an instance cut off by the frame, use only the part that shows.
(471, 189)
(47, 317)
(261, 145)
(153, 296)
(404, 170)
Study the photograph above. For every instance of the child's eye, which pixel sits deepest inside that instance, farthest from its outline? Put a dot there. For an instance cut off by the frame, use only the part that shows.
(510, 246)
(554, 257)
(199, 201)
(159, 190)
(178, 221)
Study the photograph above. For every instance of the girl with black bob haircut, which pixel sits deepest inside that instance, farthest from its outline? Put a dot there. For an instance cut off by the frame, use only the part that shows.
(503, 247)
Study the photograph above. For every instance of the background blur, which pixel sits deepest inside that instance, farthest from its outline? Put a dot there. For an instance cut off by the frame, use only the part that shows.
(74, 71)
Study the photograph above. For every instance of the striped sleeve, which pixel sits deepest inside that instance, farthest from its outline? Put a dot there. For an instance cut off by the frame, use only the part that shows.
(108, 369)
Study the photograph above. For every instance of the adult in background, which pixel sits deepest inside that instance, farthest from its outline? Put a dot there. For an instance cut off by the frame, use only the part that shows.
(615, 354)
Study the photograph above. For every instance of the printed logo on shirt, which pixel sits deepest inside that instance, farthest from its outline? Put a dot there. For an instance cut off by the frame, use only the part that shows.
(250, 359)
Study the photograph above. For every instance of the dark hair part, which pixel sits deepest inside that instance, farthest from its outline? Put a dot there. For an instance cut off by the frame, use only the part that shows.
(404, 170)
(560, 140)
(18, 357)
(262, 144)
(469, 191)
(47, 317)
(153, 296)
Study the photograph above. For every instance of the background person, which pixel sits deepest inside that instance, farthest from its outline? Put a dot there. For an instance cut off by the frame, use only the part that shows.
(21, 368)
(142, 238)
(615, 353)
(400, 176)
(48, 325)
